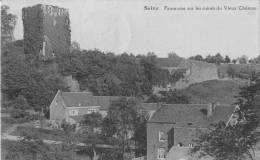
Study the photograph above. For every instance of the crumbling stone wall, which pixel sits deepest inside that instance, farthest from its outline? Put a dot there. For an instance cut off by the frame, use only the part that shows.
(46, 31)
(196, 72)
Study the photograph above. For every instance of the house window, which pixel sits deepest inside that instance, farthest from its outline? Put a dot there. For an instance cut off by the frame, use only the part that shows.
(161, 136)
(161, 154)
(73, 112)
(91, 110)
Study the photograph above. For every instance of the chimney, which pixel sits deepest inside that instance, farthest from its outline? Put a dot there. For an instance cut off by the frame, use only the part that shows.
(210, 109)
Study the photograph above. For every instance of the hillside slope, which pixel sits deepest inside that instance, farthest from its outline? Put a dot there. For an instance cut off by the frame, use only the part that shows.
(217, 91)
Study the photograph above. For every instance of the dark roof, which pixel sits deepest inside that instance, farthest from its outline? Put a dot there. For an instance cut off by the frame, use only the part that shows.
(77, 99)
(103, 101)
(85, 99)
(194, 114)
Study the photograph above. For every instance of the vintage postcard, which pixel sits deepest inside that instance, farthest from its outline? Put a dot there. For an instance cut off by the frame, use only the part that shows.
(130, 79)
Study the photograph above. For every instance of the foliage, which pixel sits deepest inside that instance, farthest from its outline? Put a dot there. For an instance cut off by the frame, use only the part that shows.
(170, 97)
(8, 22)
(35, 83)
(197, 57)
(177, 75)
(243, 59)
(224, 142)
(93, 120)
(217, 59)
(32, 147)
(122, 117)
(227, 59)
(140, 137)
(75, 46)
(68, 128)
(234, 141)
(231, 71)
(108, 74)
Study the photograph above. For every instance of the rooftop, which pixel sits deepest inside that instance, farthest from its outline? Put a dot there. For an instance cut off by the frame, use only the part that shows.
(192, 114)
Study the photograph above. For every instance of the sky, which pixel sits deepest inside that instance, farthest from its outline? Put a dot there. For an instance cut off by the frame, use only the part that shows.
(125, 26)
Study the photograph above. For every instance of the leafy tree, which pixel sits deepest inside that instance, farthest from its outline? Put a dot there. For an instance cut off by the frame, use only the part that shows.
(169, 97)
(217, 59)
(237, 141)
(243, 59)
(234, 61)
(172, 55)
(257, 60)
(93, 120)
(197, 58)
(140, 137)
(230, 71)
(8, 22)
(227, 59)
(30, 146)
(75, 46)
(122, 116)
(177, 75)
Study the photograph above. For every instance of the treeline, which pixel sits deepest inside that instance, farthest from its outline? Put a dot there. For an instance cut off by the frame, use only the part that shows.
(113, 75)
(36, 82)
(218, 59)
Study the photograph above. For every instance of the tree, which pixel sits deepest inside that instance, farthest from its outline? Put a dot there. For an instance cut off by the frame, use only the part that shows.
(122, 116)
(234, 61)
(172, 55)
(257, 59)
(227, 59)
(231, 71)
(140, 137)
(218, 58)
(30, 146)
(169, 97)
(93, 120)
(75, 46)
(233, 142)
(197, 57)
(243, 59)
(8, 22)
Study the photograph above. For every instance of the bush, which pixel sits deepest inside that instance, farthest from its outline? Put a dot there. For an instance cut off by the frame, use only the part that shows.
(21, 116)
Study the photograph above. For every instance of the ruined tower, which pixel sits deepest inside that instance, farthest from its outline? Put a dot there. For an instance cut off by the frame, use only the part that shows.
(46, 31)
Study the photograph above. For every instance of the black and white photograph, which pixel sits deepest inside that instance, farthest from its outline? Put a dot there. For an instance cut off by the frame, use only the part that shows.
(130, 79)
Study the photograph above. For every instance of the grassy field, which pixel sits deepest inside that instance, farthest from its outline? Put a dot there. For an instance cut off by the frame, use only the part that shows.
(222, 91)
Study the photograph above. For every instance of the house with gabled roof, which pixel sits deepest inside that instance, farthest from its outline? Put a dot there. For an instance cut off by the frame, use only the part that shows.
(72, 106)
(172, 127)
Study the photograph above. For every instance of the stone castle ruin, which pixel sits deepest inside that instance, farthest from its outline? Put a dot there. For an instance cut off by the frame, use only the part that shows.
(192, 72)
(46, 31)
(47, 35)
